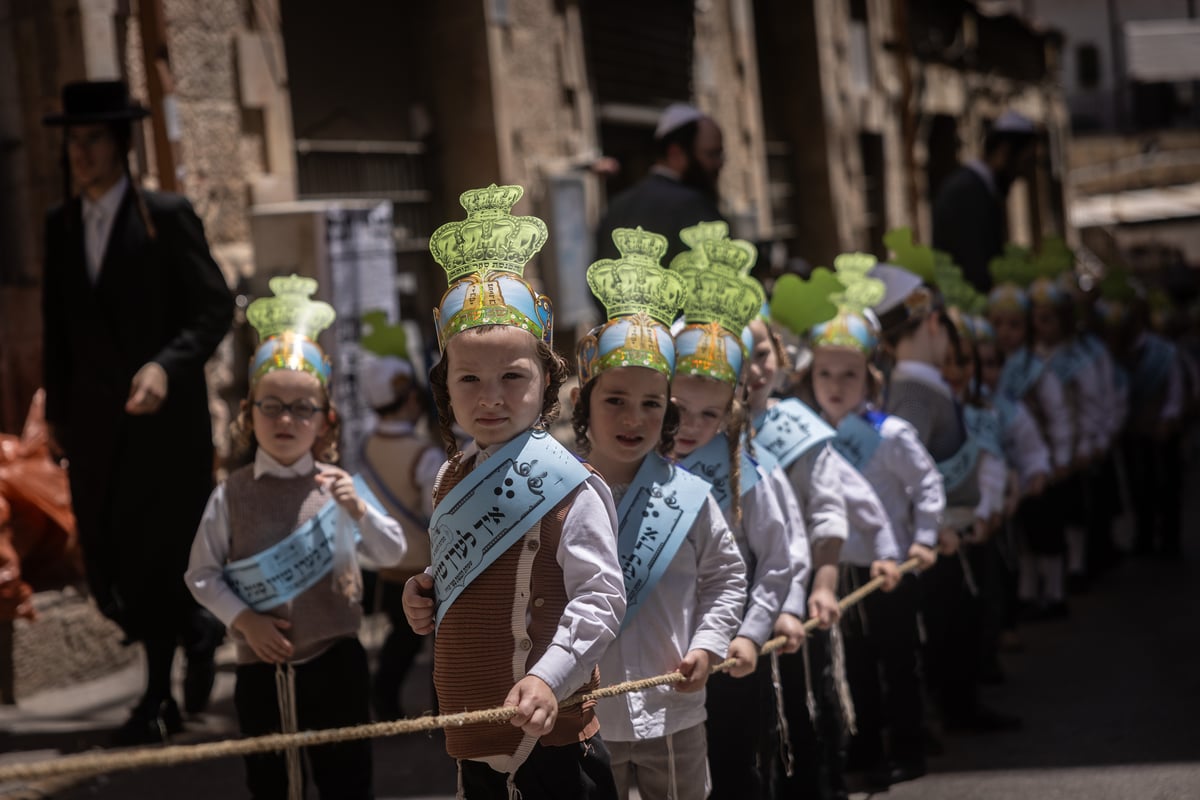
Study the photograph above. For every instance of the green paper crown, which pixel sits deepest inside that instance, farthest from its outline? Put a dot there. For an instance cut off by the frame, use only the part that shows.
(861, 291)
(695, 237)
(719, 288)
(1013, 266)
(799, 304)
(636, 282)
(916, 258)
(290, 309)
(1116, 285)
(1054, 257)
(381, 338)
(956, 289)
(490, 238)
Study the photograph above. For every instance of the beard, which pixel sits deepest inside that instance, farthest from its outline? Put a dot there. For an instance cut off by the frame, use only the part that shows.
(700, 179)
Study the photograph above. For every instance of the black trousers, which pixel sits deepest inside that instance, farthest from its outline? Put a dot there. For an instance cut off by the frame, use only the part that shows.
(817, 744)
(580, 771)
(743, 734)
(1152, 467)
(331, 692)
(884, 676)
(950, 613)
(399, 650)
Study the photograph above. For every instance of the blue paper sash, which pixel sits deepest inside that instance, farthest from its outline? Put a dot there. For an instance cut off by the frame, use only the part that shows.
(654, 518)
(1020, 373)
(959, 467)
(858, 437)
(983, 425)
(711, 463)
(1152, 368)
(494, 506)
(285, 569)
(790, 429)
(1068, 360)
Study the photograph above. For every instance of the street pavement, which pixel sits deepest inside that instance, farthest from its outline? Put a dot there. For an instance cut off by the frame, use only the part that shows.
(1110, 700)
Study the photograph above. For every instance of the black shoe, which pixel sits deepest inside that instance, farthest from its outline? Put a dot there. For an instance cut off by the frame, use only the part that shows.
(984, 720)
(903, 771)
(932, 744)
(872, 781)
(149, 726)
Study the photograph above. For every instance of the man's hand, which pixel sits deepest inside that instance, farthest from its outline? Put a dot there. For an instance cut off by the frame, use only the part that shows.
(823, 607)
(148, 390)
(746, 653)
(264, 634)
(792, 627)
(694, 668)
(417, 600)
(537, 709)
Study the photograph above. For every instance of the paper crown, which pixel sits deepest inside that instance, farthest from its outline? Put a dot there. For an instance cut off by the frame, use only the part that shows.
(854, 325)
(1012, 272)
(721, 300)
(385, 373)
(641, 299)
(288, 325)
(484, 257)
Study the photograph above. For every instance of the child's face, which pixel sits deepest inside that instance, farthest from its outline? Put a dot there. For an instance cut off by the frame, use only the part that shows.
(839, 378)
(1009, 325)
(989, 364)
(1046, 329)
(763, 368)
(703, 404)
(956, 367)
(625, 418)
(289, 414)
(496, 383)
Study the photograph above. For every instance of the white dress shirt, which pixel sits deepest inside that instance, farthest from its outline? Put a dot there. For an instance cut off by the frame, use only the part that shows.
(98, 218)
(908, 484)
(382, 540)
(696, 605)
(798, 548)
(763, 540)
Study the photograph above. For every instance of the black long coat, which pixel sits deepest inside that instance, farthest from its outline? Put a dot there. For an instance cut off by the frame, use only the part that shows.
(658, 204)
(969, 223)
(139, 484)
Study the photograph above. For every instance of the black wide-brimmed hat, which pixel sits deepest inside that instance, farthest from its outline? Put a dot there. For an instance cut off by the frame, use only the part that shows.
(90, 102)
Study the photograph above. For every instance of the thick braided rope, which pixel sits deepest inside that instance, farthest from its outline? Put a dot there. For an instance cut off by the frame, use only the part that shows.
(113, 761)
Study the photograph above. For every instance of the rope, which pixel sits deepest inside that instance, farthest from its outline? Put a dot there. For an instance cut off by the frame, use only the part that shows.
(285, 696)
(140, 758)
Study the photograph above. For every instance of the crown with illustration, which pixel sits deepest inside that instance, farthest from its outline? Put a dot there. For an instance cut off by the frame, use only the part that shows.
(841, 318)
(721, 301)
(484, 257)
(288, 325)
(641, 299)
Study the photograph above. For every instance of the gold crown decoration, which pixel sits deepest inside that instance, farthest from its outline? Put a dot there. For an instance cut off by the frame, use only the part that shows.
(291, 310)
(695, 237)
(636, 282)
(861, 291)
(1014, 265)
(719, 288)
(490, 239)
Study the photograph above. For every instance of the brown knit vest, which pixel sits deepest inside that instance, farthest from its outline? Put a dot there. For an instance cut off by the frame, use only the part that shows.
(261, 513)
(473, 654)
(395, 458)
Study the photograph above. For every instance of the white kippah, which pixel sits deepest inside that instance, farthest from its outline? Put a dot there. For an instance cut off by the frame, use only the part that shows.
(1014, 122)
(899, 283)
(377, 378)
(674, 117)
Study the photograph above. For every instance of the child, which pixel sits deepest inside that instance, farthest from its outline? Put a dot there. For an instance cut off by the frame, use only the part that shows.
(916, 330)
(401, 466)
(742, 736)
(264, 528)
(525, 589)
(683, 574)
(886, 451)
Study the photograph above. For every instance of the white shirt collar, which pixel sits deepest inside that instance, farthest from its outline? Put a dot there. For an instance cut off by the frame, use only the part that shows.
(394, 427)
(665, 171)
(923, 373)
(981, 169)
(109, 201)
(264, 464)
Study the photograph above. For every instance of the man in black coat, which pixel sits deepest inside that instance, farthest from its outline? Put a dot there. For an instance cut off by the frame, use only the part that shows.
(681, 188)
(133, 306)
(969, 219)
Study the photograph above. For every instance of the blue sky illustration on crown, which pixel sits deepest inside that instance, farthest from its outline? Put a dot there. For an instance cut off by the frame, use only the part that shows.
(641, 299)
(721, 301)
(288, 324)
(484, 257)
